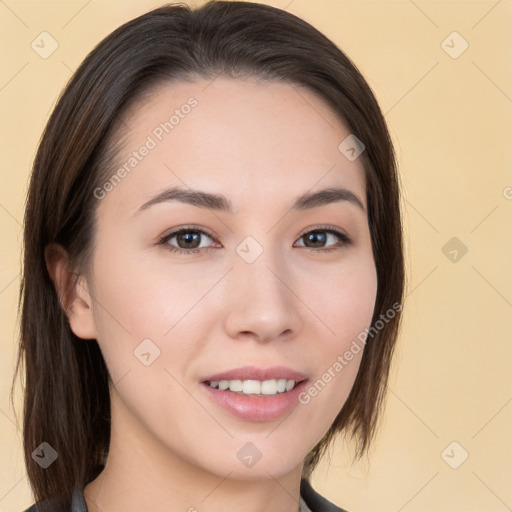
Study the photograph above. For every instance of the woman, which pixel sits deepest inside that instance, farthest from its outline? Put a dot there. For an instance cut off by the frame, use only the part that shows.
(213, 267)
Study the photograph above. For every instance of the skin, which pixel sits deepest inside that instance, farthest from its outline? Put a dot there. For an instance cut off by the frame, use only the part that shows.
(171, 447)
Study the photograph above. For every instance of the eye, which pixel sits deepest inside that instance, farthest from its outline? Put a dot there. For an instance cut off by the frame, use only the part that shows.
(188, 239)
(320, 236)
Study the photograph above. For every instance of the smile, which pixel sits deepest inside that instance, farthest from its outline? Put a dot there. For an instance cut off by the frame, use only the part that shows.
(254, 387)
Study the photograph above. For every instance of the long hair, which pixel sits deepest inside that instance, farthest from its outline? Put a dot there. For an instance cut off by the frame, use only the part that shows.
(66, 393)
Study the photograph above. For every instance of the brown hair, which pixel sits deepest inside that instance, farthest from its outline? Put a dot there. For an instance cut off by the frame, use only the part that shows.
(66, 394)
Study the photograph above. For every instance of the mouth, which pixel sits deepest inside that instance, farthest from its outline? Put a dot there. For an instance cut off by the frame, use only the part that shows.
(256, 394)
(252, 387)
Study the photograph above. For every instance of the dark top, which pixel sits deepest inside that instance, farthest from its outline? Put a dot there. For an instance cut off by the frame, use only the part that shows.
(311, 498)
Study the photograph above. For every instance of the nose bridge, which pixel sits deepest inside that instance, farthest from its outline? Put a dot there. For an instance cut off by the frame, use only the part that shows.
(262, 302)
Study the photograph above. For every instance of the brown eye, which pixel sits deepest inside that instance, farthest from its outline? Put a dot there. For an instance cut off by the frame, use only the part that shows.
(187, 240)
(318, 238)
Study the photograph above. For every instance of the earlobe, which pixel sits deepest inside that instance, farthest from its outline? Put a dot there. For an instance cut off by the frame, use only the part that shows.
(72, 290)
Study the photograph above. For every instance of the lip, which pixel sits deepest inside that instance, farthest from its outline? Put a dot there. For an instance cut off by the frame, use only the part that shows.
(256, 408)
(255, 373)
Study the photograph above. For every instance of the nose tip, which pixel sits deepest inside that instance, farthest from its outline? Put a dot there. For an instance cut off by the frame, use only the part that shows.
(262, 306)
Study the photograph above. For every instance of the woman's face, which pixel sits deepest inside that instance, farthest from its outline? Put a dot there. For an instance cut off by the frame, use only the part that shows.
(256, 289)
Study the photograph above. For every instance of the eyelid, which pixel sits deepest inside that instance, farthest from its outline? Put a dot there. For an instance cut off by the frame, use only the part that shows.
(325, 227)
(188, 227)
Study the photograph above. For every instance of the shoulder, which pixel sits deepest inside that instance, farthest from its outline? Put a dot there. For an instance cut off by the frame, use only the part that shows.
(50, 505)
(315, 501)
(77, 504)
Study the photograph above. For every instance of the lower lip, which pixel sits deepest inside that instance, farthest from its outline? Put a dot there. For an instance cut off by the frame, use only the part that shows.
(256, 407)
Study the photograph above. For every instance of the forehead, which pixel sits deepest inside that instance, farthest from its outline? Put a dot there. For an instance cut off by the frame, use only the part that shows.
(246, 140)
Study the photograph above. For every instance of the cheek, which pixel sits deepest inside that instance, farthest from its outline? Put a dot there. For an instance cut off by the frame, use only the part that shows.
(136, 297)
(345, 305)
(344, 300)
(132, 306)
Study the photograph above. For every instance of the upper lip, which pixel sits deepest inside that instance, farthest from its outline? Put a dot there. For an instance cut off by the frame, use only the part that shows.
(255, 373)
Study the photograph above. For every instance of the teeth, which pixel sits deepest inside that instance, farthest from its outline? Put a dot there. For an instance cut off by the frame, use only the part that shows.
(290, 384)
(235, 385)
(251, 387)
(254, 387)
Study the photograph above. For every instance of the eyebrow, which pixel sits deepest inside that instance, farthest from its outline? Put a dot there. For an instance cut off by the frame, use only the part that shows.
(221, 203)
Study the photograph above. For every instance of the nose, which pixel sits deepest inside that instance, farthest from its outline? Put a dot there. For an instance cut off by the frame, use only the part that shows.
(262, 304)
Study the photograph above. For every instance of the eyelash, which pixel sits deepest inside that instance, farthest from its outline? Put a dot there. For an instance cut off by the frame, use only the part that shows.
(163, 241)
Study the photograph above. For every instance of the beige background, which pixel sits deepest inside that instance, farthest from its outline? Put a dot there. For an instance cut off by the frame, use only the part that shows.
(451, 121)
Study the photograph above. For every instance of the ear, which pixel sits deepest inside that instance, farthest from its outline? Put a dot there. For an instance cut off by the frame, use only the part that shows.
(73, 292)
